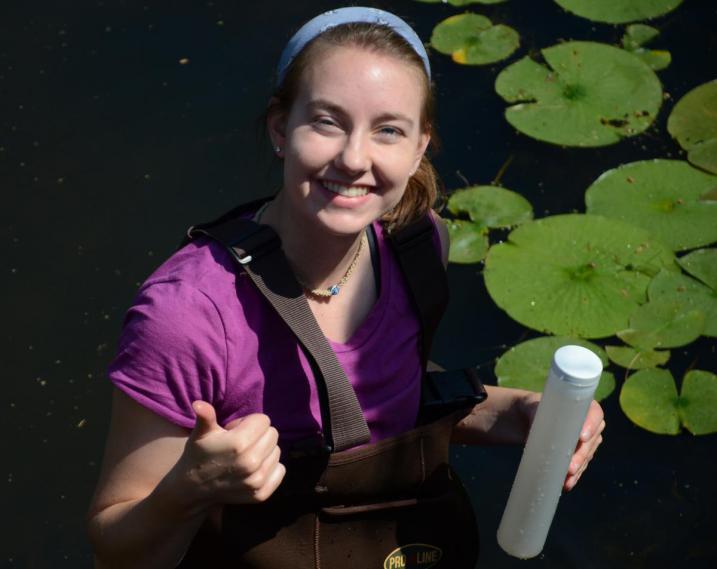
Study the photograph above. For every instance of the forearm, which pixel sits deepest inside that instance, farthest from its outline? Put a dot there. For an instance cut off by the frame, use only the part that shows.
(152, 532)
(503, 418)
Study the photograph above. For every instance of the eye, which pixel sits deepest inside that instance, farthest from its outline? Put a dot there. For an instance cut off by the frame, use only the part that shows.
(324, 122)
(390, 132)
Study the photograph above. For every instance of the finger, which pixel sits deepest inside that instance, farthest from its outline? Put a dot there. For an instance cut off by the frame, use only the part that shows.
(571, 482)
(261, 485)
(259, 477)
(593, 420)
(266, 444)
(233, 423)
(572, 479)
(253, 458)
(584, 454)
(206, 420)
(272, 483)
(248, 431)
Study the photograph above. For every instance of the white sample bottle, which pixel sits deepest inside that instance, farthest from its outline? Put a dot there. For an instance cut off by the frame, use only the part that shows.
(553, 436)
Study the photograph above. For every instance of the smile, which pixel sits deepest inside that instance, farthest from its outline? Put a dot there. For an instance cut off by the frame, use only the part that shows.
(347, 191)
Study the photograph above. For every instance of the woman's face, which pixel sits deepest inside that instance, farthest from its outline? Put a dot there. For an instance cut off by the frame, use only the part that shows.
(352, 138)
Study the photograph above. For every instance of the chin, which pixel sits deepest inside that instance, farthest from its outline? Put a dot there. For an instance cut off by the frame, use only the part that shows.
(344, 226)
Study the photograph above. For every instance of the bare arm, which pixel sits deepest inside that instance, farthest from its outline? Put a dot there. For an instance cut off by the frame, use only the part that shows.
(159, 482)
(503, 418)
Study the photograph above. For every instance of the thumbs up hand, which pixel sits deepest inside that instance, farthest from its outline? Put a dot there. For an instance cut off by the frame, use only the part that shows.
(238, 464)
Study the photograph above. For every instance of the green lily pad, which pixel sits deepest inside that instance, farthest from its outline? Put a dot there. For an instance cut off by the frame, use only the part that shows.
(636, 35)
(490, 206)
(526, 365)
(469, 241)
(472, 39)
(704, 155)
(657, 59)
(709, 195)
(663, 323)
(701, 264)
(693, 122)
(698, 400)
(577, 275)
(632, 358)
(662, 196)
(591, 94)
(619, 11)
(649, 399)
(461, 2)
(689, 294)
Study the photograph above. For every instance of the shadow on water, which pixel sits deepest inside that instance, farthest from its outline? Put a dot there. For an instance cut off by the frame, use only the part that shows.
(124, 122)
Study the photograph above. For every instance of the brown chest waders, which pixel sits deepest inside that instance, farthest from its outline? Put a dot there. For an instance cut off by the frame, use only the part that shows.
(394, 504)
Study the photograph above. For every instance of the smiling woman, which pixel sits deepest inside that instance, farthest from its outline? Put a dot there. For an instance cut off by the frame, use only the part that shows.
(272, 374)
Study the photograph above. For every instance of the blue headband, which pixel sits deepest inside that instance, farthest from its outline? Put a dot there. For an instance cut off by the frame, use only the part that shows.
(355, 14)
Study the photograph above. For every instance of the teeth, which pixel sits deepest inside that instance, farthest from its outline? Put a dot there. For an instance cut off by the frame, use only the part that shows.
(348, 191)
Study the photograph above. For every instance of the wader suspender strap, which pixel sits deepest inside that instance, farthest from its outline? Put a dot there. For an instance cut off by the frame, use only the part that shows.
(257, 249)
(425, 276)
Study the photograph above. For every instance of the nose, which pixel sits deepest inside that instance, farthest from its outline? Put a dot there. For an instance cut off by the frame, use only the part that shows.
(354, 156)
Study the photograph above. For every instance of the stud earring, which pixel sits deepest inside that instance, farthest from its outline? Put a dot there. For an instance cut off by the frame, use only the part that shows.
(277, 149)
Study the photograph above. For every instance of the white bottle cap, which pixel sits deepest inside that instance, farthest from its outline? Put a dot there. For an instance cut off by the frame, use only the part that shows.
(577, 365)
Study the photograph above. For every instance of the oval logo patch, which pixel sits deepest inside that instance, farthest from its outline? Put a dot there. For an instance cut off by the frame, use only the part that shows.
(413, 556)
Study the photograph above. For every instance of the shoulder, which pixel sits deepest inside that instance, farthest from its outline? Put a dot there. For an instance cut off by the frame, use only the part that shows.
(184, 299)
(201, 264)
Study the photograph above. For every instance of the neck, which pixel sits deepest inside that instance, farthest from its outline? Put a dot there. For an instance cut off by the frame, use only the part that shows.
(317, 258)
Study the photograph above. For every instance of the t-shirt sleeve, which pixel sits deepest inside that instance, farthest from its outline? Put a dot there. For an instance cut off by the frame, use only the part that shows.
(172, 351)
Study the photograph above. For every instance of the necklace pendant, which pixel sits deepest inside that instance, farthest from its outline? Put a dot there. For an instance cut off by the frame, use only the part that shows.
(334, 290)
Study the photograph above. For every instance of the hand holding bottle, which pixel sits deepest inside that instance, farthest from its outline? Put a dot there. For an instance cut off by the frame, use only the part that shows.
(588, 443)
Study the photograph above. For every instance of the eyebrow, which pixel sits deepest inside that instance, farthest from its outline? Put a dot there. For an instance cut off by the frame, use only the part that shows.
(334, 108)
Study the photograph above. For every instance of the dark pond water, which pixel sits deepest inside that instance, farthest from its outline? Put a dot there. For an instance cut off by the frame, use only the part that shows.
(109, 148)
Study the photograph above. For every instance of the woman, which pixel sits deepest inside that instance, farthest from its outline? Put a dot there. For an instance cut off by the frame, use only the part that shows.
(212, 390)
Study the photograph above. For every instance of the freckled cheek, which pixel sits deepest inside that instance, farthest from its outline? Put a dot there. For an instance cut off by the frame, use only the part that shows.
(395, 168)
(315, 150)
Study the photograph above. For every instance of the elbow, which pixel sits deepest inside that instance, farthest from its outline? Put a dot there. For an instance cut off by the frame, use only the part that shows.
(96, 525)
(93, 530)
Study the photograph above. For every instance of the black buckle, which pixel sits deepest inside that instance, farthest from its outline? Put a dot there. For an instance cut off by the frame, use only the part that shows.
(447, 391)
(254, 243)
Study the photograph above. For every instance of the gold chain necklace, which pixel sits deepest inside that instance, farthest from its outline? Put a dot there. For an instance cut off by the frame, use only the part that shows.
(334, 289)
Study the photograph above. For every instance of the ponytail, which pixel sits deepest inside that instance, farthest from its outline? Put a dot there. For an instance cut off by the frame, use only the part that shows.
(424, 191)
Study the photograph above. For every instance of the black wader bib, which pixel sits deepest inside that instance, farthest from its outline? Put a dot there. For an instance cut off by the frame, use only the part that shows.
(394, 504)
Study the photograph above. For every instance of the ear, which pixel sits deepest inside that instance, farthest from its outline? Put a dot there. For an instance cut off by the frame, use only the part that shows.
(423, 142)
(276, 124)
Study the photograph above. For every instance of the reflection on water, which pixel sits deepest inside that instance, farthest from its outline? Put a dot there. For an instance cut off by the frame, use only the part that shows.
(124, 122)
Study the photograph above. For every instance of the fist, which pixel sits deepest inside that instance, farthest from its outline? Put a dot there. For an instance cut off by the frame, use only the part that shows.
(238, 464)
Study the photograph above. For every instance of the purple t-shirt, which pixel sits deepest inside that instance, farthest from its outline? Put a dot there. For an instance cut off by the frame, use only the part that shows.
(193, 333)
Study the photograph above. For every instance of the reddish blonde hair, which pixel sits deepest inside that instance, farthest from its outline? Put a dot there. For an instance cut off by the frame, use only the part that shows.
(424, 189)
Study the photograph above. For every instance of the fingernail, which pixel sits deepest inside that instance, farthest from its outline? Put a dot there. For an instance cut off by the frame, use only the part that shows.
(585, 434)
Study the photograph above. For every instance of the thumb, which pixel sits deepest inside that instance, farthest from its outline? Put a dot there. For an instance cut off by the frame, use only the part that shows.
(206, 420)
